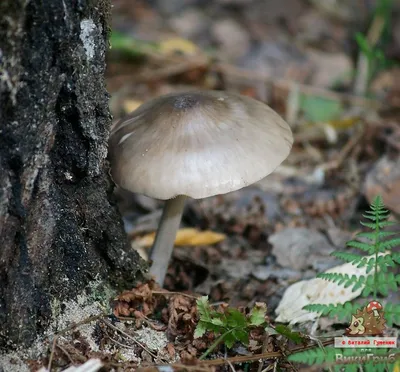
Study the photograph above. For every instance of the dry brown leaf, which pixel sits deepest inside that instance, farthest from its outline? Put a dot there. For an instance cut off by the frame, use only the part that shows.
(138, 301)
(186, 237)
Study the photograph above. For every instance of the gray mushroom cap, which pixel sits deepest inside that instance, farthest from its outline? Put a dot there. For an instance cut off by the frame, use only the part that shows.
(198, 144)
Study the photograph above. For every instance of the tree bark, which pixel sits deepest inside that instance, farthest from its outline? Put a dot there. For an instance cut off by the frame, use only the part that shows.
(58, 229)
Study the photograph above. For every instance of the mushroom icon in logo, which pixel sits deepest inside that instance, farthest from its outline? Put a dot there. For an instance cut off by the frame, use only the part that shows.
(375, 307)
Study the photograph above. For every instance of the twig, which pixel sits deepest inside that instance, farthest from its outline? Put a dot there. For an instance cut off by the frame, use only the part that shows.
(189, 367)
(231, 366)
(246, 358)
(84, 321)
(145, 319)
(67, 329)
(53, 347)
(133, 339)
(263, 350)
(286, 84)
(119, 343)
(175, 293)
(66, 353)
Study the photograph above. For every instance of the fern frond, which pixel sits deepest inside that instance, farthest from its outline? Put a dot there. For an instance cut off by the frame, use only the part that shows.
(373, 235)
(382, 282)
(380, 224)
(342, 311)
(389, 244)
(377, 261)
(392, 314)
(343, 279)
(385, 261)
(377, 204)
(369, 248)
(396, 257)
(373, 217)
(348, 257)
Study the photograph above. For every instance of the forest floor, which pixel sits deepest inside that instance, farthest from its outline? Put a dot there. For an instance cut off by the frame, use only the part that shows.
(303, 59)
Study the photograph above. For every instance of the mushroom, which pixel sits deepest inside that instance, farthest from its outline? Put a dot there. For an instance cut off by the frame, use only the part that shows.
(374, 306)
(195, 144)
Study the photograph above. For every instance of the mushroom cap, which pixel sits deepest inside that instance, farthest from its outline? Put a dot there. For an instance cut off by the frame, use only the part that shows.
(374, 305)
(198, 144)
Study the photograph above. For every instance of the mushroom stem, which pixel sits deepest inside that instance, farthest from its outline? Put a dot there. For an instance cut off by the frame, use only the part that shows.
(164, 242)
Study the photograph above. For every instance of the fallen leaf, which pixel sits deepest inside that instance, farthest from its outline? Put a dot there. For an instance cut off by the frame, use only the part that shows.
(320, 110)
(316, 291)
(130, 105)
(186, 237)
(178, 46)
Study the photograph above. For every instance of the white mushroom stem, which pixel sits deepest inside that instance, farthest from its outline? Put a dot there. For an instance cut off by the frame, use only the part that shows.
(163, 246)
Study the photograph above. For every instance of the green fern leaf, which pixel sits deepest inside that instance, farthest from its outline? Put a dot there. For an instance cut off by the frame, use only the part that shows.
(383, 283)
(392, 314)
(373, 235)
(343, 279)
(396, 257)
(342, 311)
(377, 203)
(389, 244)
(369, 248)
(380, 224)
(371, 225)
(373, 216)
(348, 257)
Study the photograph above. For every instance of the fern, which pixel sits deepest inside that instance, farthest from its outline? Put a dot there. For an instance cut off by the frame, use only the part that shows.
(376, 257)
(392, 314)
(344, 279)
(342, 311)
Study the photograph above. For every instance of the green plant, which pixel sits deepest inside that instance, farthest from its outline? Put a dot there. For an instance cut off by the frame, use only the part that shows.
(372, 44)
(377, 257)
(231, 325)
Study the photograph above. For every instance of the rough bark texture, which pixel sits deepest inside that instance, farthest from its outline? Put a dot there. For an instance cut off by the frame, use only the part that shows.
(58, 230)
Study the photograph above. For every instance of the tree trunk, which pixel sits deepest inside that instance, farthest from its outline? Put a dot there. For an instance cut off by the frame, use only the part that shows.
(58, 229)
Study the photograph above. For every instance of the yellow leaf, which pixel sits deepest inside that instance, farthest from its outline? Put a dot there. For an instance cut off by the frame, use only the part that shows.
(186, 236)
(130, 105)
(178, 45)
(344, 123)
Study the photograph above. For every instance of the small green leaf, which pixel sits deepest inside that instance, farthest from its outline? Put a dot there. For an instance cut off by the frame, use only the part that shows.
(287, 332)
(217, 321)
(235, 319)
(320, 110)
(200, 330)
(203, 307)
(241, 335)
(257, 314)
